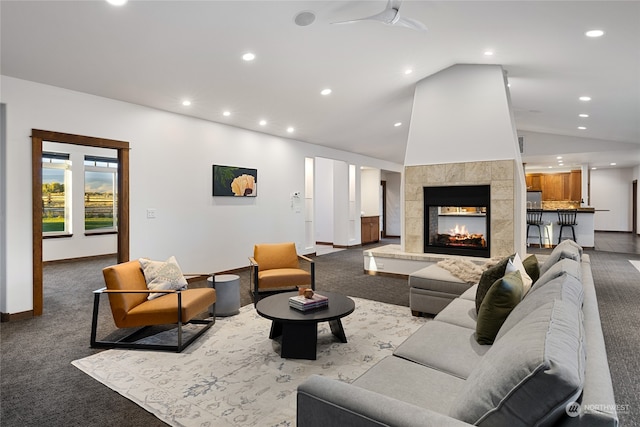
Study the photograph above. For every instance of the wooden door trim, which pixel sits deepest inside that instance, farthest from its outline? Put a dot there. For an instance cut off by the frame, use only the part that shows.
(122, 147)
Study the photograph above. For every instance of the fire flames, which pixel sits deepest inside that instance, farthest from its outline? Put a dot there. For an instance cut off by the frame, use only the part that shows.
(460, 236)
(459, 230)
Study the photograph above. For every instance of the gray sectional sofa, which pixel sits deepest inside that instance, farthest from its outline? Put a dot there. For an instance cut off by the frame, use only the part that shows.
(547, 365)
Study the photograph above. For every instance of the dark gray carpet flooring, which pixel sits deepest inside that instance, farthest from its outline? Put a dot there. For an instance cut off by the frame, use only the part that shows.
(39, 386)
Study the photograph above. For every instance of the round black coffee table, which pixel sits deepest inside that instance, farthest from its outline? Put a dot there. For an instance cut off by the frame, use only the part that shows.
(299, 329)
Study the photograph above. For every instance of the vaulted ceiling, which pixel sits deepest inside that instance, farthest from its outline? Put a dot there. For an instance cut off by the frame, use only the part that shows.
(161, 53)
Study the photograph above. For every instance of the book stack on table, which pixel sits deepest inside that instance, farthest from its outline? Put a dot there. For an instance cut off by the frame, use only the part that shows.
(300, 302)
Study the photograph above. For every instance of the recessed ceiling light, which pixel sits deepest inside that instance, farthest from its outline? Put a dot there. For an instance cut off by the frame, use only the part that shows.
(290, 129)
(594, 168)
(594, 33)
(262, 122)
(582, 128)
(186, 102)
(612, 164)
(585, 98)
(248, 56)
(550, 167)
(559, 157)
(397, 124)
(408, 71)
(226, 113)
(325, 92)
(488, 53)
(117, 2)
(583, 115)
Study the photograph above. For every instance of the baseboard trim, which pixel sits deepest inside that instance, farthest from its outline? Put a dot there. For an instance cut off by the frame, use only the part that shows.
(12, 317)
(82, 258)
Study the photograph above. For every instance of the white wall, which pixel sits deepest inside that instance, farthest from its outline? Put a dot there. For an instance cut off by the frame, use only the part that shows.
(78, 245)
(324, 200)
(370, 197)
(611, 196)
(171, 157)
(394, 194)
(461, 114)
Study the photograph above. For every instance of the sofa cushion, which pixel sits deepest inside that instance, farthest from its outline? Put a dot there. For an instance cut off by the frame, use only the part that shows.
(564, 287)
(488, 278)
(412, 383)
(532, 266)
(436, 278)
(431, 346)
(501, 298)
(566, 249)
(564, 266)
(470, 294)
(461, 312)
(531, 374)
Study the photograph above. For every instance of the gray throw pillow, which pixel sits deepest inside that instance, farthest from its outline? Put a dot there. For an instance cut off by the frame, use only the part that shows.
(488, 278)
(566, 249)
(565, 265)
(501, 298)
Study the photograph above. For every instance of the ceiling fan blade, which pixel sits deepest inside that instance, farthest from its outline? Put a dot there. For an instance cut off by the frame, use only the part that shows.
(411, 23)
(386, 17)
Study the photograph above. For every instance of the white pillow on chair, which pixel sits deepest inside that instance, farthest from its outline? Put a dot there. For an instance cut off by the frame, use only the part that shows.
(162, 275)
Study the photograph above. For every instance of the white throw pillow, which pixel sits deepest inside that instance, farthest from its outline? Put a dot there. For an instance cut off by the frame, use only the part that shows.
(516, 265)
(162, 275)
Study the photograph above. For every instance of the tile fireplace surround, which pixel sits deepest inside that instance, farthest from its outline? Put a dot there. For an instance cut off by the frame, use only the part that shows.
(499, 174)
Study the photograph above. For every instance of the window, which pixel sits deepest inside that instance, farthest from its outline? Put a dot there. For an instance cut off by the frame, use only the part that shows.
(100, 194)
(56, 194)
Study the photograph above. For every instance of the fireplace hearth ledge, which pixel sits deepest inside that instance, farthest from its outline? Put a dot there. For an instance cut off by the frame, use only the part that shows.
(391, 260)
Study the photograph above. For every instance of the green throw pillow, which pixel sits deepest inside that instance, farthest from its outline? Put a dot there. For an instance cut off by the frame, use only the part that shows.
(488, 278)
(501, 298)
(532, 266)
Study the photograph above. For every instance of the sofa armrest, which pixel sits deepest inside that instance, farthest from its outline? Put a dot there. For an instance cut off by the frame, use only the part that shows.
(325, 402)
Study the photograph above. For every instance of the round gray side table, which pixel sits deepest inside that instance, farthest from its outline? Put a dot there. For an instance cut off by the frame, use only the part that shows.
(227, 288)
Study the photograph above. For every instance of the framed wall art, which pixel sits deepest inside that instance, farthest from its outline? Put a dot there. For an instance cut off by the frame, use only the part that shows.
(234, 181)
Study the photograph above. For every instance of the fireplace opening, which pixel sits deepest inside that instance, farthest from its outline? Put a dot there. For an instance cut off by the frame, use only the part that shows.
(456, 220)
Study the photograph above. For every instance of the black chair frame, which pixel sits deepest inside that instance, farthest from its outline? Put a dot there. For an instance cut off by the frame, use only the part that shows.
(534, 219)
(129, 340)
(567, 218)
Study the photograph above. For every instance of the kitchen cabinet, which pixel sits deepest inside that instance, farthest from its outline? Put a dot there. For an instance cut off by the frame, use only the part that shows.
(575, 185)
(534, 181)
(370, 229)
(553, 187)
(565, 186)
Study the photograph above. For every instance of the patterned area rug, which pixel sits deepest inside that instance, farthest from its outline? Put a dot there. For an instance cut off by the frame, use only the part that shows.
(233, 375)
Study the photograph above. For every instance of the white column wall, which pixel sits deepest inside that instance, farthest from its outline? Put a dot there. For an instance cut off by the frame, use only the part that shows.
(370, 192)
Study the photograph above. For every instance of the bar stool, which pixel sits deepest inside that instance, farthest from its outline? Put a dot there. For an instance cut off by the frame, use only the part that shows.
(567, 218)
(534, 219)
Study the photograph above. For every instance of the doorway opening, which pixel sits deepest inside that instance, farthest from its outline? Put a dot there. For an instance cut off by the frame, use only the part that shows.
(122, 148)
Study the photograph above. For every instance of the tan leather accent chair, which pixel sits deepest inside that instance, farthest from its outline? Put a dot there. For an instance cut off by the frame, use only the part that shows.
(275, 267)
(127, 291)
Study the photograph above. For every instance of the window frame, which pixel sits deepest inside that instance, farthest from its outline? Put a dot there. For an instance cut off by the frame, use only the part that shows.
(60, 161)
(101, 165)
